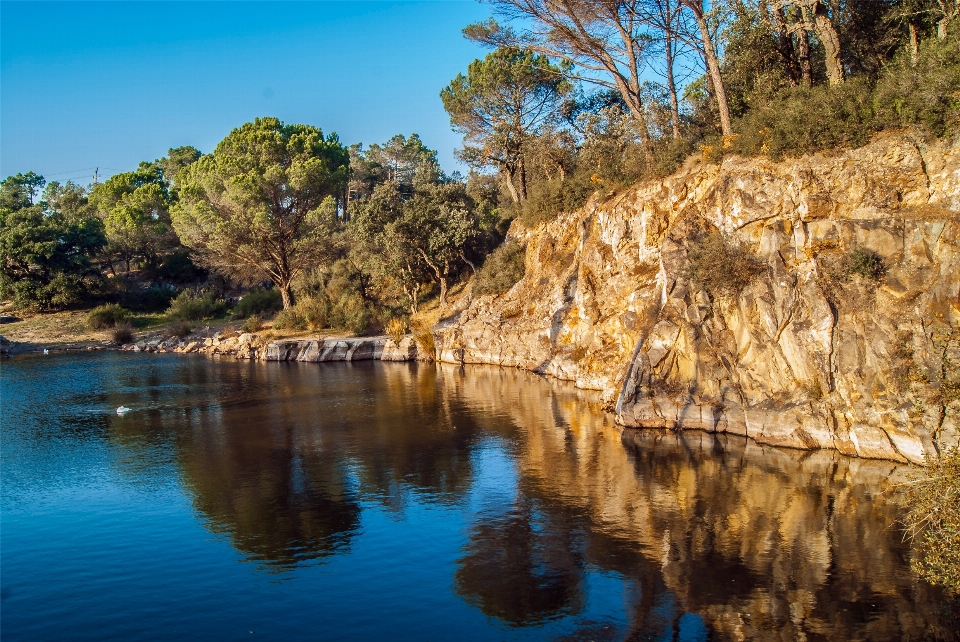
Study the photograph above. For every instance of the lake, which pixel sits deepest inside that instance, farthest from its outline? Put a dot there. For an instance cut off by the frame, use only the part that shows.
(284, 501)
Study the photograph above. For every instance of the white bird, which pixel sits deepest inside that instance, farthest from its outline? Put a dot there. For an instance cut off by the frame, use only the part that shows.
(45, 351)
(122, 410)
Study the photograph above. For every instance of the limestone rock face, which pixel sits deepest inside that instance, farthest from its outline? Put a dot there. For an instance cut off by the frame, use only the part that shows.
(806, 356)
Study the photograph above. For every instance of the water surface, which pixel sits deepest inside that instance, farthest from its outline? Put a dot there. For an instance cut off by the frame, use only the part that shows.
(245, 500)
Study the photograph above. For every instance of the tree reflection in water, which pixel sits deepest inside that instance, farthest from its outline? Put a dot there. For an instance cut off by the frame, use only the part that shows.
(520, 568)
(702, 533)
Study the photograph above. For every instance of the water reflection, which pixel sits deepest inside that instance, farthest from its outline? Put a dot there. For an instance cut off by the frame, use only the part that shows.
(676, 536)
(520, 567)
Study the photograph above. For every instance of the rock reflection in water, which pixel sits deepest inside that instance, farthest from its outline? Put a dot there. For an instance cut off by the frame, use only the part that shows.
(704, 533)
(759, 542)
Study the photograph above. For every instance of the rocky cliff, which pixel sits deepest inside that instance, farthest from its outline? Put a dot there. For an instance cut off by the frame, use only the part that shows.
(809, 354)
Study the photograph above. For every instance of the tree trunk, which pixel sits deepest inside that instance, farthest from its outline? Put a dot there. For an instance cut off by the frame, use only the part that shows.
(508, 175)
(286, 294)
(914, 45)
(672, 89)
(803, 56)
(713, 65)
(784, 45)
(831, 44)
(942, 29)
(522, 179)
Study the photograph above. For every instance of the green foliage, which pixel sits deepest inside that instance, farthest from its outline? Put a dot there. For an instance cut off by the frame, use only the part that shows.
(46, 257)
(804, 120)
(865, 263)
(123, 333)
(135, 208)
(252, 324)
(109, 315)
(193, 306)
(260, 301)
(547, 199)
(932, 498)
(406, 162)
(722, 267)
(502, 101)
(261, 205)
(334, 297)
(503, 268)
(176, 267)
(925, 94)
(290, 319)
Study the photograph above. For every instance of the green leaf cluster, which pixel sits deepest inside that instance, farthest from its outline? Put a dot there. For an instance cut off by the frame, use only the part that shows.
(261, 205)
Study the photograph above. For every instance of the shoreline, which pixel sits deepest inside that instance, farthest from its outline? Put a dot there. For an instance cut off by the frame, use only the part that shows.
(250, 346)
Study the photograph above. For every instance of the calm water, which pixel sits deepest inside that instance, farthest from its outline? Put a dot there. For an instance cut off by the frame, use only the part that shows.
(242, 501)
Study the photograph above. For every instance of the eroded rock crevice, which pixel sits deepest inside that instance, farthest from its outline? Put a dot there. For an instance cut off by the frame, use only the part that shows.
(805, 356)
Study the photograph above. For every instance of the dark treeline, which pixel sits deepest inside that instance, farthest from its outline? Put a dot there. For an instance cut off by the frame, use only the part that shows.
(575, 97)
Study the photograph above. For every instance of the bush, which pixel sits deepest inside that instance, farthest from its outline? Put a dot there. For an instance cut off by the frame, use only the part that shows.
(154, 299)
(180, 329)
(190, 306)
(426, 343)
(396, 328)
(926, 94)
(933, 520)
(290, 319)
(177, 267)
(123, 333)
(865, 263)
(721, 266)
(260, 301)
(253, 324)
(502, 270)
(804, 120)
(107, 316)
(548, 199)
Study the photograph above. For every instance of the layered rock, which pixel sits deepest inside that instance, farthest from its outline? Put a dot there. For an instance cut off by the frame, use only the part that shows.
(257, 347)
(801, 357)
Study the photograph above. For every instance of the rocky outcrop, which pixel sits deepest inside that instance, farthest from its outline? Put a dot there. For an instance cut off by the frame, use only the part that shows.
(805, 356)
(258, 347)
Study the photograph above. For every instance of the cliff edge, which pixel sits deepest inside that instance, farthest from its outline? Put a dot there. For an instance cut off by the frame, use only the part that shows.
(804, 356)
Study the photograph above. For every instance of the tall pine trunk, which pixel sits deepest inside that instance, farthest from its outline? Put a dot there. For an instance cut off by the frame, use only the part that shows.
(712, 64)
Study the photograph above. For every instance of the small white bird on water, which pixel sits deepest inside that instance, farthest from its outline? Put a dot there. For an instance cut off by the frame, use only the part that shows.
(122, 410)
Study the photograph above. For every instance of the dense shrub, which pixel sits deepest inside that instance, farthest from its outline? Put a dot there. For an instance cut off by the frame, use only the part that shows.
(864, 263)
(252, 324)
(503, 268)
(334, 297)
(176, 267)
(933, 500)
(179, 329)
(260, 301)
(549, 198)
(107, 316)
(722, 266)
(803, 120)
(396, 328)
(191, 306)
(426, 342)
(290, 319)
(927, 93)
(123, 333)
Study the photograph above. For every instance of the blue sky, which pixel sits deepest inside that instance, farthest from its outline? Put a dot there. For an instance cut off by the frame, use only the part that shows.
(106, 85)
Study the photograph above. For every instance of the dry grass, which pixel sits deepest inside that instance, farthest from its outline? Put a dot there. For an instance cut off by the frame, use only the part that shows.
(51, 328)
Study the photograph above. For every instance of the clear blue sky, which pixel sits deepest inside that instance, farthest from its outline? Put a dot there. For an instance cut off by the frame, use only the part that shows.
(109, 84)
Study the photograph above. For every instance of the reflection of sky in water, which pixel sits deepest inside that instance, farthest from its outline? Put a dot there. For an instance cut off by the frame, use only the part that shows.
(404, 501)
